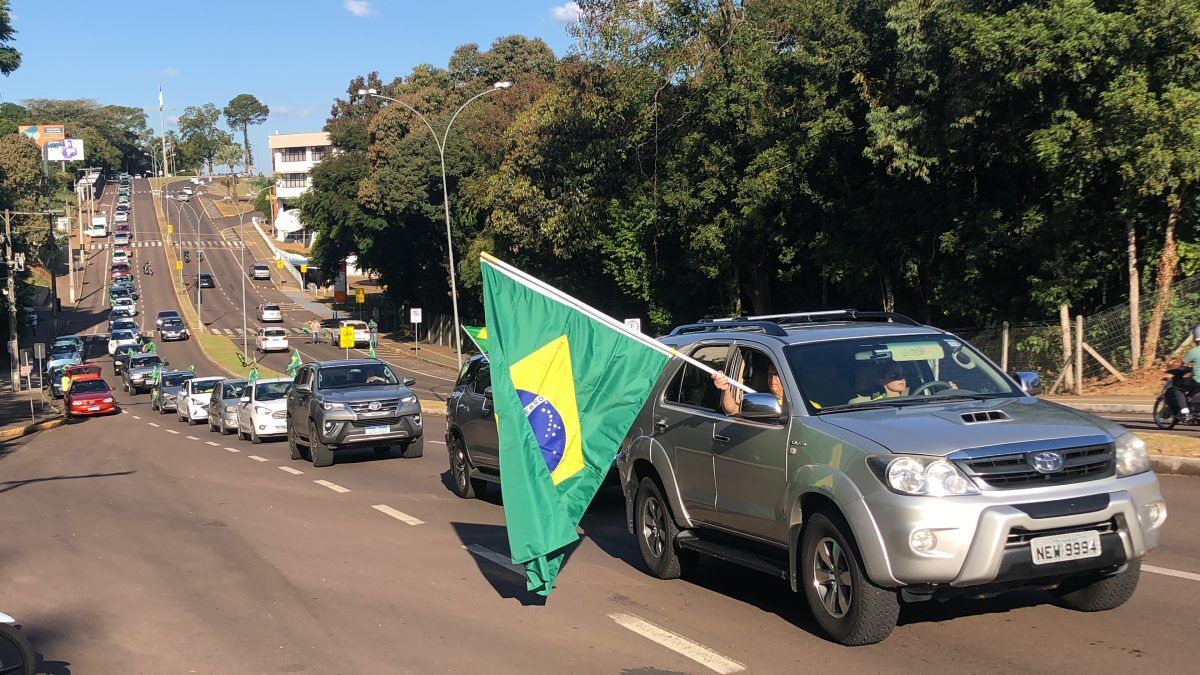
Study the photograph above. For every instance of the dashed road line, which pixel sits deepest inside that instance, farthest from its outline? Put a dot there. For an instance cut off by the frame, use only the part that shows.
(294, 472)
(137, 417)
(678, 644)
(192, 438)
(498, 558)
(257, 458)
(1190, 576)
(171, 431)
(232, 449)
(398, 515)
(437, 442)
(153, 424)
(332, 486)
(212, 443)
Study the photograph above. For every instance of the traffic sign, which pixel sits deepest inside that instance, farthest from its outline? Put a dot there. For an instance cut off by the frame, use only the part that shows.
(303, 269)
(170, 229)
(634, 325)
(346, 337)
(178, 264)
(414, 315)
(360, 295)
(279, 263)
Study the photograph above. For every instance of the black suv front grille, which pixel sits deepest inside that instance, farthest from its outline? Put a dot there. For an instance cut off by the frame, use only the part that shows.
(1015, 471)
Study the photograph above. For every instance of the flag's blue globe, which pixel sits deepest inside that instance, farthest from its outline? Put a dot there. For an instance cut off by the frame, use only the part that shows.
(547, 425)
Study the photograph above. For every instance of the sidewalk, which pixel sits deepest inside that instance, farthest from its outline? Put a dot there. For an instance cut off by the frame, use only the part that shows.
(15, 418)
(1131, 404)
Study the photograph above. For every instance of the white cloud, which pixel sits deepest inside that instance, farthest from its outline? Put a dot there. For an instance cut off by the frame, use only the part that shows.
(566, 13)
(291, 111)
(174, 119)
(359, 8)
(170, 72)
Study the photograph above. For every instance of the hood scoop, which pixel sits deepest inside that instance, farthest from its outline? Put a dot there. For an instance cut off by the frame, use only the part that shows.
(981, 416)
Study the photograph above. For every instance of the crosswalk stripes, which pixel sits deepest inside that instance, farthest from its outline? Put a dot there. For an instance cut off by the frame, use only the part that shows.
(252, 331)
(133, 244)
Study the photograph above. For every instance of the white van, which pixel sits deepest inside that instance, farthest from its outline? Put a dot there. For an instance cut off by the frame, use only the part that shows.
(99, 227)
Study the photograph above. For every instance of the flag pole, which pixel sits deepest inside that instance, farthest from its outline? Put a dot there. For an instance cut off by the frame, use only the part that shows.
(580, 306)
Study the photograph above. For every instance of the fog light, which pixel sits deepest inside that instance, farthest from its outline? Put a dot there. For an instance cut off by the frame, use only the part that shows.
(262, 427)
(417, 420)
(922, 541)
(1156, 513)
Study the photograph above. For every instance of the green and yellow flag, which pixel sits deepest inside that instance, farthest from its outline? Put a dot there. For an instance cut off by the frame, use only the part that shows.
(568, 382)
(294, 364)
(478, 335)
(253, 376)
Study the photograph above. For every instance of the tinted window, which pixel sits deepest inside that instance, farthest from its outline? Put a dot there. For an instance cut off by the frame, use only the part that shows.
(271, 308)
(63, 349)
(204, 387)
(367, 374)
(122, 335)
(233, 390)
(694, 387)
(270, 391)
(172, 323)
(483, 377)
(140, 361)
(86, 386)
(175, 380)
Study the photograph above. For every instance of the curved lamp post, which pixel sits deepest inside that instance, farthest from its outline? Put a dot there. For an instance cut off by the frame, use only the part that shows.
(441, 146)
(242, 258)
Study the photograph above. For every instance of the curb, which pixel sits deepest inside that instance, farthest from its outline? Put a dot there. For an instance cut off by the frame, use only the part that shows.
(1179, 466)
(18, 432)
(431, 408)
(1129, 408)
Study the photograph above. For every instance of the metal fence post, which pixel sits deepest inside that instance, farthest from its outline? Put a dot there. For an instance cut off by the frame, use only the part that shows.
(1004, 347)
(1078, 354)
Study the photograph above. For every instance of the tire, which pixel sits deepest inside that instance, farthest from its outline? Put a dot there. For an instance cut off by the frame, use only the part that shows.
(1100, 595)
(858, 613)
(213, 428)
(221, 428)
(1163, 417)
(191, 420)
(254, 437)
(124, 386)
(320, 453)
(293, 445)
(465, 486)
(14, 644)
(656, 530)
(413, 449)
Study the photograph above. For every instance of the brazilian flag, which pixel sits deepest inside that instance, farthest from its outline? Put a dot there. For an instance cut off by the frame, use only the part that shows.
(567, 383)
(478, 335)
(253, 376)
(294, 364)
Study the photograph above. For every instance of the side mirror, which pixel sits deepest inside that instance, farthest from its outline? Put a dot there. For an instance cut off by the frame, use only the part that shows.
(487, 393)
(244, 399)
(1029, 382)
(166, 363)
(761, 407)
(302, 387)
(408, 381)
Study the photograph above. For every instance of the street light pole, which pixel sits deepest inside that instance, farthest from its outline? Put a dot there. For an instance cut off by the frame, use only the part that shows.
(441, 146)
(242, 255)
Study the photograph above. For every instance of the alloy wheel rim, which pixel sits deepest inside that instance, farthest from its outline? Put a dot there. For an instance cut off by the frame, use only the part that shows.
(831, 577)
(654, 530)
(460, 467)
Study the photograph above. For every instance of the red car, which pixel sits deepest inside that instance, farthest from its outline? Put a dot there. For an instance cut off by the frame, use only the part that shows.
(90, 397)
(118, 269)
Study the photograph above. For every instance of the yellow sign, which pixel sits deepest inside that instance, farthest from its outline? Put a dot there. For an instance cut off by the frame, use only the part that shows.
(178, 264)
(279, 264)
(170, 229)
(360, 296)
(304, 269)
(346, 337)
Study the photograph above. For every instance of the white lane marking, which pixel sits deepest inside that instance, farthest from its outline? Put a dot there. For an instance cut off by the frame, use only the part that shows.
(136, 417)
(437, 442)
(398, 515)
(171, 431)
(332, 486)
(257, 458)
(498, 558)
(124, 412)
(678, 644)
(232, 449)
(294, 472)
(192, 438)
(212, 443)
(1190, 576)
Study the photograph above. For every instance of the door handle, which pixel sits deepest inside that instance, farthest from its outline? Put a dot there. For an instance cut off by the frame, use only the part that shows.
(720, 439)
(660, 423)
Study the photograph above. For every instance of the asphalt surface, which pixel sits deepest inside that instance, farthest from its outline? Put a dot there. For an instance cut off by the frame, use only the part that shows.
(138, 544)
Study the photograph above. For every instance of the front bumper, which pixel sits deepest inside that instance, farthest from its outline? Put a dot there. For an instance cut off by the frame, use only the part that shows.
(100, 409)
(983, 539)
(168, 404)
(353, 432)
(168, 337)
(268, 426)
(197, 411)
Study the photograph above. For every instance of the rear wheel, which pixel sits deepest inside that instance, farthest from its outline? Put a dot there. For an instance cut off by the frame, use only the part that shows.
(849, 608)
(16, 654)
(460, 470)
(1163, 417)
(321, 453)
(1099, 595)
(656, 531)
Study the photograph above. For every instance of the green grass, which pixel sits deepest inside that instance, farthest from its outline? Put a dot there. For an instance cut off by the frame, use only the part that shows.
(224, 352)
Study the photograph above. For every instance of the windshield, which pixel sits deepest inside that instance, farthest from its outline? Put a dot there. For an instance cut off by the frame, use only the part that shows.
(175, 380)
(270, 308)
(271, 391)
(168, 315)
(172, 323)
(122, 335)
(367, 374)
(88, 386)
(144, 361)
(205, 387)
(356, 325)
(274, 332)
(849, 374)
(125, 350)
(233, 390)
(63, 349)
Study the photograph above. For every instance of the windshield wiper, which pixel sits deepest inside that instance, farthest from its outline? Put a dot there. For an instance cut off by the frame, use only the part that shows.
(873, 405)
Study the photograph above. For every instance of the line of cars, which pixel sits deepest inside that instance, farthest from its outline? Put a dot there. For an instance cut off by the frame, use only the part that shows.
(79, 384)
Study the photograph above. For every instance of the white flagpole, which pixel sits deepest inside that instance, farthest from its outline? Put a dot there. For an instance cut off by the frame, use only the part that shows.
(548, 290)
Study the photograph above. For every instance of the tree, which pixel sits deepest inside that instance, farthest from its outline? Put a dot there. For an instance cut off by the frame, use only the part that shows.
(10, 58)
(201, 137)
(244, 110)
(230, 155)
(115, 134)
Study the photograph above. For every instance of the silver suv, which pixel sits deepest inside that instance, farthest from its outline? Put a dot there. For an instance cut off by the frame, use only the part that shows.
(882, 461)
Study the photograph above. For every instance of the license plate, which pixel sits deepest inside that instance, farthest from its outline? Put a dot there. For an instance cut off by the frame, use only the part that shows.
(1063, 547)
(378, 431)
(93, 407)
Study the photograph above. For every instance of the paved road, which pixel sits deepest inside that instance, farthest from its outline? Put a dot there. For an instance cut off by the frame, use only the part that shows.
(135, 543)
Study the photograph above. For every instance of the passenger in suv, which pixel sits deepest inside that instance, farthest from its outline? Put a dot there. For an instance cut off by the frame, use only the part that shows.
(960, 482)
(352, 403)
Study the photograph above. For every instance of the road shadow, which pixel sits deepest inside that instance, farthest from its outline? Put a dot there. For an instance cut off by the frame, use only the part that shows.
(494, 538)
(45, 635)
(14, 484)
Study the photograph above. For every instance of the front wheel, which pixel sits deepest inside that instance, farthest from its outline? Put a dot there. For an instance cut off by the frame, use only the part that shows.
(321, 454)
(656, 531)
(16, 654)
(849, 608)
(293, 446)
(1163, 417)
(1100, 595)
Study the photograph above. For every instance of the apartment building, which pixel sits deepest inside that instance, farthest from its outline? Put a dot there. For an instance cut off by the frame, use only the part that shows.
(292, 158)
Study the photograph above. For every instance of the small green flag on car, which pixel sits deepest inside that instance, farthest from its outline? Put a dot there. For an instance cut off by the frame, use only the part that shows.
(478, 335)
(294, 364)
(253, 377)
(371, 352)
(568, 382)
(192, 367)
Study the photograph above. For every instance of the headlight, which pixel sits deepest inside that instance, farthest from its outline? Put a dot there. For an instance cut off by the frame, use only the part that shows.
(334, 406)
(408, 400)
(263, 410)
(107, 400)
(917, 475)
(1132, 457)
(231, 408)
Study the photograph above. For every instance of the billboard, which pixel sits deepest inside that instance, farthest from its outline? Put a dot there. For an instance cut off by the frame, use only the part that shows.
(69, 150)
(43, 133)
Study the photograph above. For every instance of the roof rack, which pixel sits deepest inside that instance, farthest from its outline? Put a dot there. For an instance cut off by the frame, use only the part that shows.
(768, 327)
(828, 315)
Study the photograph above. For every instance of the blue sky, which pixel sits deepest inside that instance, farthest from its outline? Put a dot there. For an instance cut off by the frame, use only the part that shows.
(294, 55)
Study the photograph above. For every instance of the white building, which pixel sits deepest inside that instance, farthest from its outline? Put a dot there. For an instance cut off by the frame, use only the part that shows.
(292, 158)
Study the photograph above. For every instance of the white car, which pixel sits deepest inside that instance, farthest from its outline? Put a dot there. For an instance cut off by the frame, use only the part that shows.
(262, 410)
(260, 271)
(272, 340)
(121, 337)
(120, 256)
(121, 239)
(270, 312)
(121, 217)
(184, 197)
(362, 334)
(187, 190)
(194, 398)
(97, 231)
(128, 303)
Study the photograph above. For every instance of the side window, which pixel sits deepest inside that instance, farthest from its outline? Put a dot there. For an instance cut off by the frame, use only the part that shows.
(757, 370)
(301, 375)
(483, 377)
(694, 387)
(467, 374)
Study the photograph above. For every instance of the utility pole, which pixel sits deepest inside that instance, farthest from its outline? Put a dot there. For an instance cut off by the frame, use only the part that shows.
(13, 349)
(53, 245)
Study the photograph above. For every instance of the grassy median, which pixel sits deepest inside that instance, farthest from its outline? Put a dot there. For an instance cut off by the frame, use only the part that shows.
(224, 353)
(1178, 445)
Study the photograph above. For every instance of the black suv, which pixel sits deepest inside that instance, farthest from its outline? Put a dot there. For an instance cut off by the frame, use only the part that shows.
(471, 430)
(352, 403)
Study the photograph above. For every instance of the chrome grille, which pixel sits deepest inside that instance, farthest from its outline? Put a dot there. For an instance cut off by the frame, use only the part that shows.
(1015, 471)
(1019, 536)
(386, 405)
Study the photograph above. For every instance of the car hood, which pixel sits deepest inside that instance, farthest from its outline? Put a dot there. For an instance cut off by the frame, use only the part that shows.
(273, 405)
(63, 361)
(141, 370)
(365, 394)
(939, 429)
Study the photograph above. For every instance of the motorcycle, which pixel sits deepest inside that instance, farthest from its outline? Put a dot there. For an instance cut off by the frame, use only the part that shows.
(146, 269)
(1165, 417)
(16, 654)
(201, 255)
